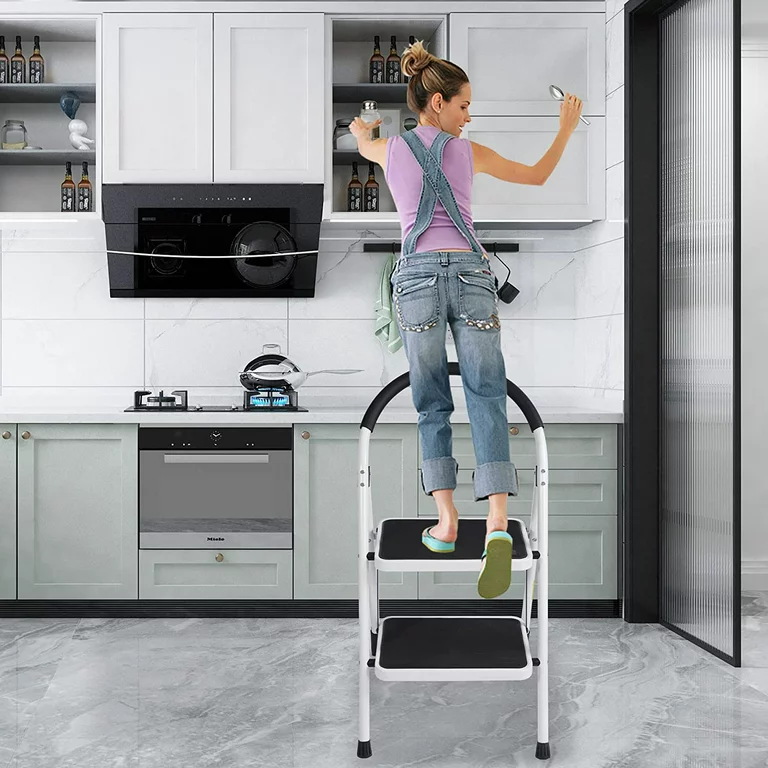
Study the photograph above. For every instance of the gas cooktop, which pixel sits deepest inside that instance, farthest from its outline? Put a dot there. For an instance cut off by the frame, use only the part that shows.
(282, 398)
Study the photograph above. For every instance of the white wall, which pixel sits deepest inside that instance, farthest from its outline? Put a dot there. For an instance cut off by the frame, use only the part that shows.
(754, 318)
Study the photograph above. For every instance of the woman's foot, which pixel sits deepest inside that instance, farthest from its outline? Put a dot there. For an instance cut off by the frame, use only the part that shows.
(448, 527)
(495, 522)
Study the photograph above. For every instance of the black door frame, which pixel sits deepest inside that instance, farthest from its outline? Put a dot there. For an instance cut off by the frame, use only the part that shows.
(642, 407)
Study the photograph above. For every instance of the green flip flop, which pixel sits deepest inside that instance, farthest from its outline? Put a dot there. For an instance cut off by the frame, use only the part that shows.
(496, 575)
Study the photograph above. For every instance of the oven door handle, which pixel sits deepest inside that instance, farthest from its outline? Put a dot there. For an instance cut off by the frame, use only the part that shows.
(216, 458)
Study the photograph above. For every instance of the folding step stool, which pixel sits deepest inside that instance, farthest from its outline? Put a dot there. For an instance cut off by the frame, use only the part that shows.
(413, 648)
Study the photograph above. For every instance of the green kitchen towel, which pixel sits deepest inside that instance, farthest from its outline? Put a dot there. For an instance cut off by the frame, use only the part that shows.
(386, 323)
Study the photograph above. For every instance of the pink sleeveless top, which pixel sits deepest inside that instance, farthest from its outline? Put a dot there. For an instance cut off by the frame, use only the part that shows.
(404, 178)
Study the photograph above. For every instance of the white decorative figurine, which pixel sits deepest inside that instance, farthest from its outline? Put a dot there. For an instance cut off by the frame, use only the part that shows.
(77, 137)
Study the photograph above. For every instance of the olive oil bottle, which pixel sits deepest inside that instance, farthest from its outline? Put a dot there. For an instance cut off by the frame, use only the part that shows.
(355, 192)
(371, 191)
(18, 64)
(68, 190)
(36, 64)
(393, 62)
(85, 192)
(5, 71)
(376, 64)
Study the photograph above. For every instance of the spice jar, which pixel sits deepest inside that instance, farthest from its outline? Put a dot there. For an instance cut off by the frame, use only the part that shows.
(342, 136)
(13, 135)
(370, 114)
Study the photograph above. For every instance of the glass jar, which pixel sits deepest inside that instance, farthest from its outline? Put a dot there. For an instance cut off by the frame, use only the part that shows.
(342, 136)
(13, 135)
(410, 123)
(369, 114)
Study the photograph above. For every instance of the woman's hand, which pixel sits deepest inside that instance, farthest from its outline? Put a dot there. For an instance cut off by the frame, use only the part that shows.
(360, 128)
(570, 111)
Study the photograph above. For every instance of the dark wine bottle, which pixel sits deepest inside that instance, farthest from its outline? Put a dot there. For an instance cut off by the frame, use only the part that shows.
(393, 62)
(355, 192)
(85, 192)
(18, 64)
(371, 191)
(5, 64)
(36, 64)
(68, 191)
(376, 64)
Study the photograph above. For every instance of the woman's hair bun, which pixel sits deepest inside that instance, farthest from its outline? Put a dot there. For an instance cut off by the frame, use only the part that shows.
(415, 59)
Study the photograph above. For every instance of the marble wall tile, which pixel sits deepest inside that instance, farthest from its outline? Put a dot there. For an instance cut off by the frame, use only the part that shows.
(614, 53)
(599, 348)
(614, 128)
(600, 282)
(75, 353)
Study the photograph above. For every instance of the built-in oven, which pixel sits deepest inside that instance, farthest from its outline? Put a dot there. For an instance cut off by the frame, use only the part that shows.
(201, 487)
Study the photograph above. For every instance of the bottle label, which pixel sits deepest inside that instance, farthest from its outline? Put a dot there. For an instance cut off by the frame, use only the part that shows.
(377, 72)
(17, 72)
(371, 199)
(393, 71)
(4, 72)
(355, 199)
(83, 199)
(67, 199)
(36, 72)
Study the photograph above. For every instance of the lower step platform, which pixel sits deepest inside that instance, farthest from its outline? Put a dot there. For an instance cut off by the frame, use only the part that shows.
(447, 648)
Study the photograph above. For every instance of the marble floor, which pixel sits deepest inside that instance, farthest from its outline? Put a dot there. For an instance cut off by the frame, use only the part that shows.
(282, 693)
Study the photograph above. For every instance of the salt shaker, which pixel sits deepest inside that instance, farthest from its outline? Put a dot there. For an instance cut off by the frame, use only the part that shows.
(369, 114)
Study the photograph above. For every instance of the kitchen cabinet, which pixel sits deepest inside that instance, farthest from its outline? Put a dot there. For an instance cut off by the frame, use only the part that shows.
(77, 511)
(269, 97)
(222, 97)
(574, 192)
(158, 90)
(513, 58)
(7, 511)
(325, 542)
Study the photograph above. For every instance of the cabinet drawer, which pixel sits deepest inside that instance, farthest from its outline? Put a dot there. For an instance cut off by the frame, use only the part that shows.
(189, 574)
(571, 492)
(582, 564)
(569, 446)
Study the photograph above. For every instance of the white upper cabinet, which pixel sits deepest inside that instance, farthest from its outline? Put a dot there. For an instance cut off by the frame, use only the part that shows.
(157, 97)
(574, 192)
(269, 97)
(513, 58)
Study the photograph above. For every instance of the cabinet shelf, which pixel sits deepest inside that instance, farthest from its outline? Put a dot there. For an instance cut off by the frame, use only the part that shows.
(45, 156)
(41, 93)
(347, 157)
(348, 93)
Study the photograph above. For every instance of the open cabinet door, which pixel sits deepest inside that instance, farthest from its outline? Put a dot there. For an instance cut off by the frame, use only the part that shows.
(683, 330)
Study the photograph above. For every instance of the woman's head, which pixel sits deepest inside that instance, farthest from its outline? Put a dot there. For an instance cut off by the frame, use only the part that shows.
(438, 91)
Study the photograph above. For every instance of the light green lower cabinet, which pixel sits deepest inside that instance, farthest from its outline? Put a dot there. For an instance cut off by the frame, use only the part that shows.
(325, 537)
(582, 564)
(8, 437)
(234, 574)
(77, 511)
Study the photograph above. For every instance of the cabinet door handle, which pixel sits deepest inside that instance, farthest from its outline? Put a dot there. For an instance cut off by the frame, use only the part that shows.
(6, 435)
(306, 435)
(25, 435)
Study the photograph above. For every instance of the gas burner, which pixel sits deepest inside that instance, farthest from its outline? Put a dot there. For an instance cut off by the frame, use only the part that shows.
(159, 402)
(274, 398)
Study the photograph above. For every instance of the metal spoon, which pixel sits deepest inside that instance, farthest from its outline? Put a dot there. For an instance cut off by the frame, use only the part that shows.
(558, 95)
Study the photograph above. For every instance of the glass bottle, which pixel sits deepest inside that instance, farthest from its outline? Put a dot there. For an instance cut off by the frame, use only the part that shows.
(411, 41)
(371, 191)
(355, 192)
(13, 135)
(36, 64)
(393, 62)
(68, 191)
(18, 64)
(4, 63)
(370, 114)
(376, 63)
(85, 192)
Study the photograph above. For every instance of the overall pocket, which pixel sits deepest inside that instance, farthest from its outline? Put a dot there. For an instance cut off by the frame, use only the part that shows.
(416, 299)
(478, 300)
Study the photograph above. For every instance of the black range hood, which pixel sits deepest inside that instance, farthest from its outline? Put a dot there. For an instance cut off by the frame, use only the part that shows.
(151, 227)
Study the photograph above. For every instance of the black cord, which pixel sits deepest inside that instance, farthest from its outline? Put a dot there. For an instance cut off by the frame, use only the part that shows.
(509, 273)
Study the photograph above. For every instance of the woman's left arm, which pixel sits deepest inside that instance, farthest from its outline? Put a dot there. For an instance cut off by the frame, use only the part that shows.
(374, 150)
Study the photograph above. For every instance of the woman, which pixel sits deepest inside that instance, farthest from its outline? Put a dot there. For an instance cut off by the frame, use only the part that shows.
(429, 172)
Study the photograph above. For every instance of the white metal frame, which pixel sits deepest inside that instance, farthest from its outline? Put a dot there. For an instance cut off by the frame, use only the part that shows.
(369, 617)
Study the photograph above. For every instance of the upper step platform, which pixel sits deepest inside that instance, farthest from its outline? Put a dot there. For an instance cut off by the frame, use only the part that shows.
(399, 547)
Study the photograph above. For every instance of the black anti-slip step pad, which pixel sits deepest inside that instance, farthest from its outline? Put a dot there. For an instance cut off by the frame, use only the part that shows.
(452, 643)
(401, 540)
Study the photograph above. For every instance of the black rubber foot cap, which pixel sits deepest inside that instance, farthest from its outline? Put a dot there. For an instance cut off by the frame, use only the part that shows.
(542, 751)
(364, 749)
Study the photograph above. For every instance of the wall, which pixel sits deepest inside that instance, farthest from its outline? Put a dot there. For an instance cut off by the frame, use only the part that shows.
(562, 337)
(754, 319)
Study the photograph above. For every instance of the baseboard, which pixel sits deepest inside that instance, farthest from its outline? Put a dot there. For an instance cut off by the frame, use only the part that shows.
(754, 575)
(295, 609)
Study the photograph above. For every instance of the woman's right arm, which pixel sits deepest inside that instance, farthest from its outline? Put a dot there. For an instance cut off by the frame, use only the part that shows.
(490, 162)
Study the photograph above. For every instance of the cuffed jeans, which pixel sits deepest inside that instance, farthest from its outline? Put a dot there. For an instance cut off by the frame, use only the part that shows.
(431, 290)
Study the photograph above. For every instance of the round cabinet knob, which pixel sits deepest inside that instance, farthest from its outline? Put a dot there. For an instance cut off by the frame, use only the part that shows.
(219, 557)
(514, 431)
(6, 435)
(306, 435)
(25, 435)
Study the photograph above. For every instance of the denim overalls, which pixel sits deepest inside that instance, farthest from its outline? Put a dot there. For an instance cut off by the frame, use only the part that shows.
(431, 289)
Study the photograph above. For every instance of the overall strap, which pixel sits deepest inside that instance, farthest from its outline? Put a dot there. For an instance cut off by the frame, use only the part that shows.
(434, 185)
